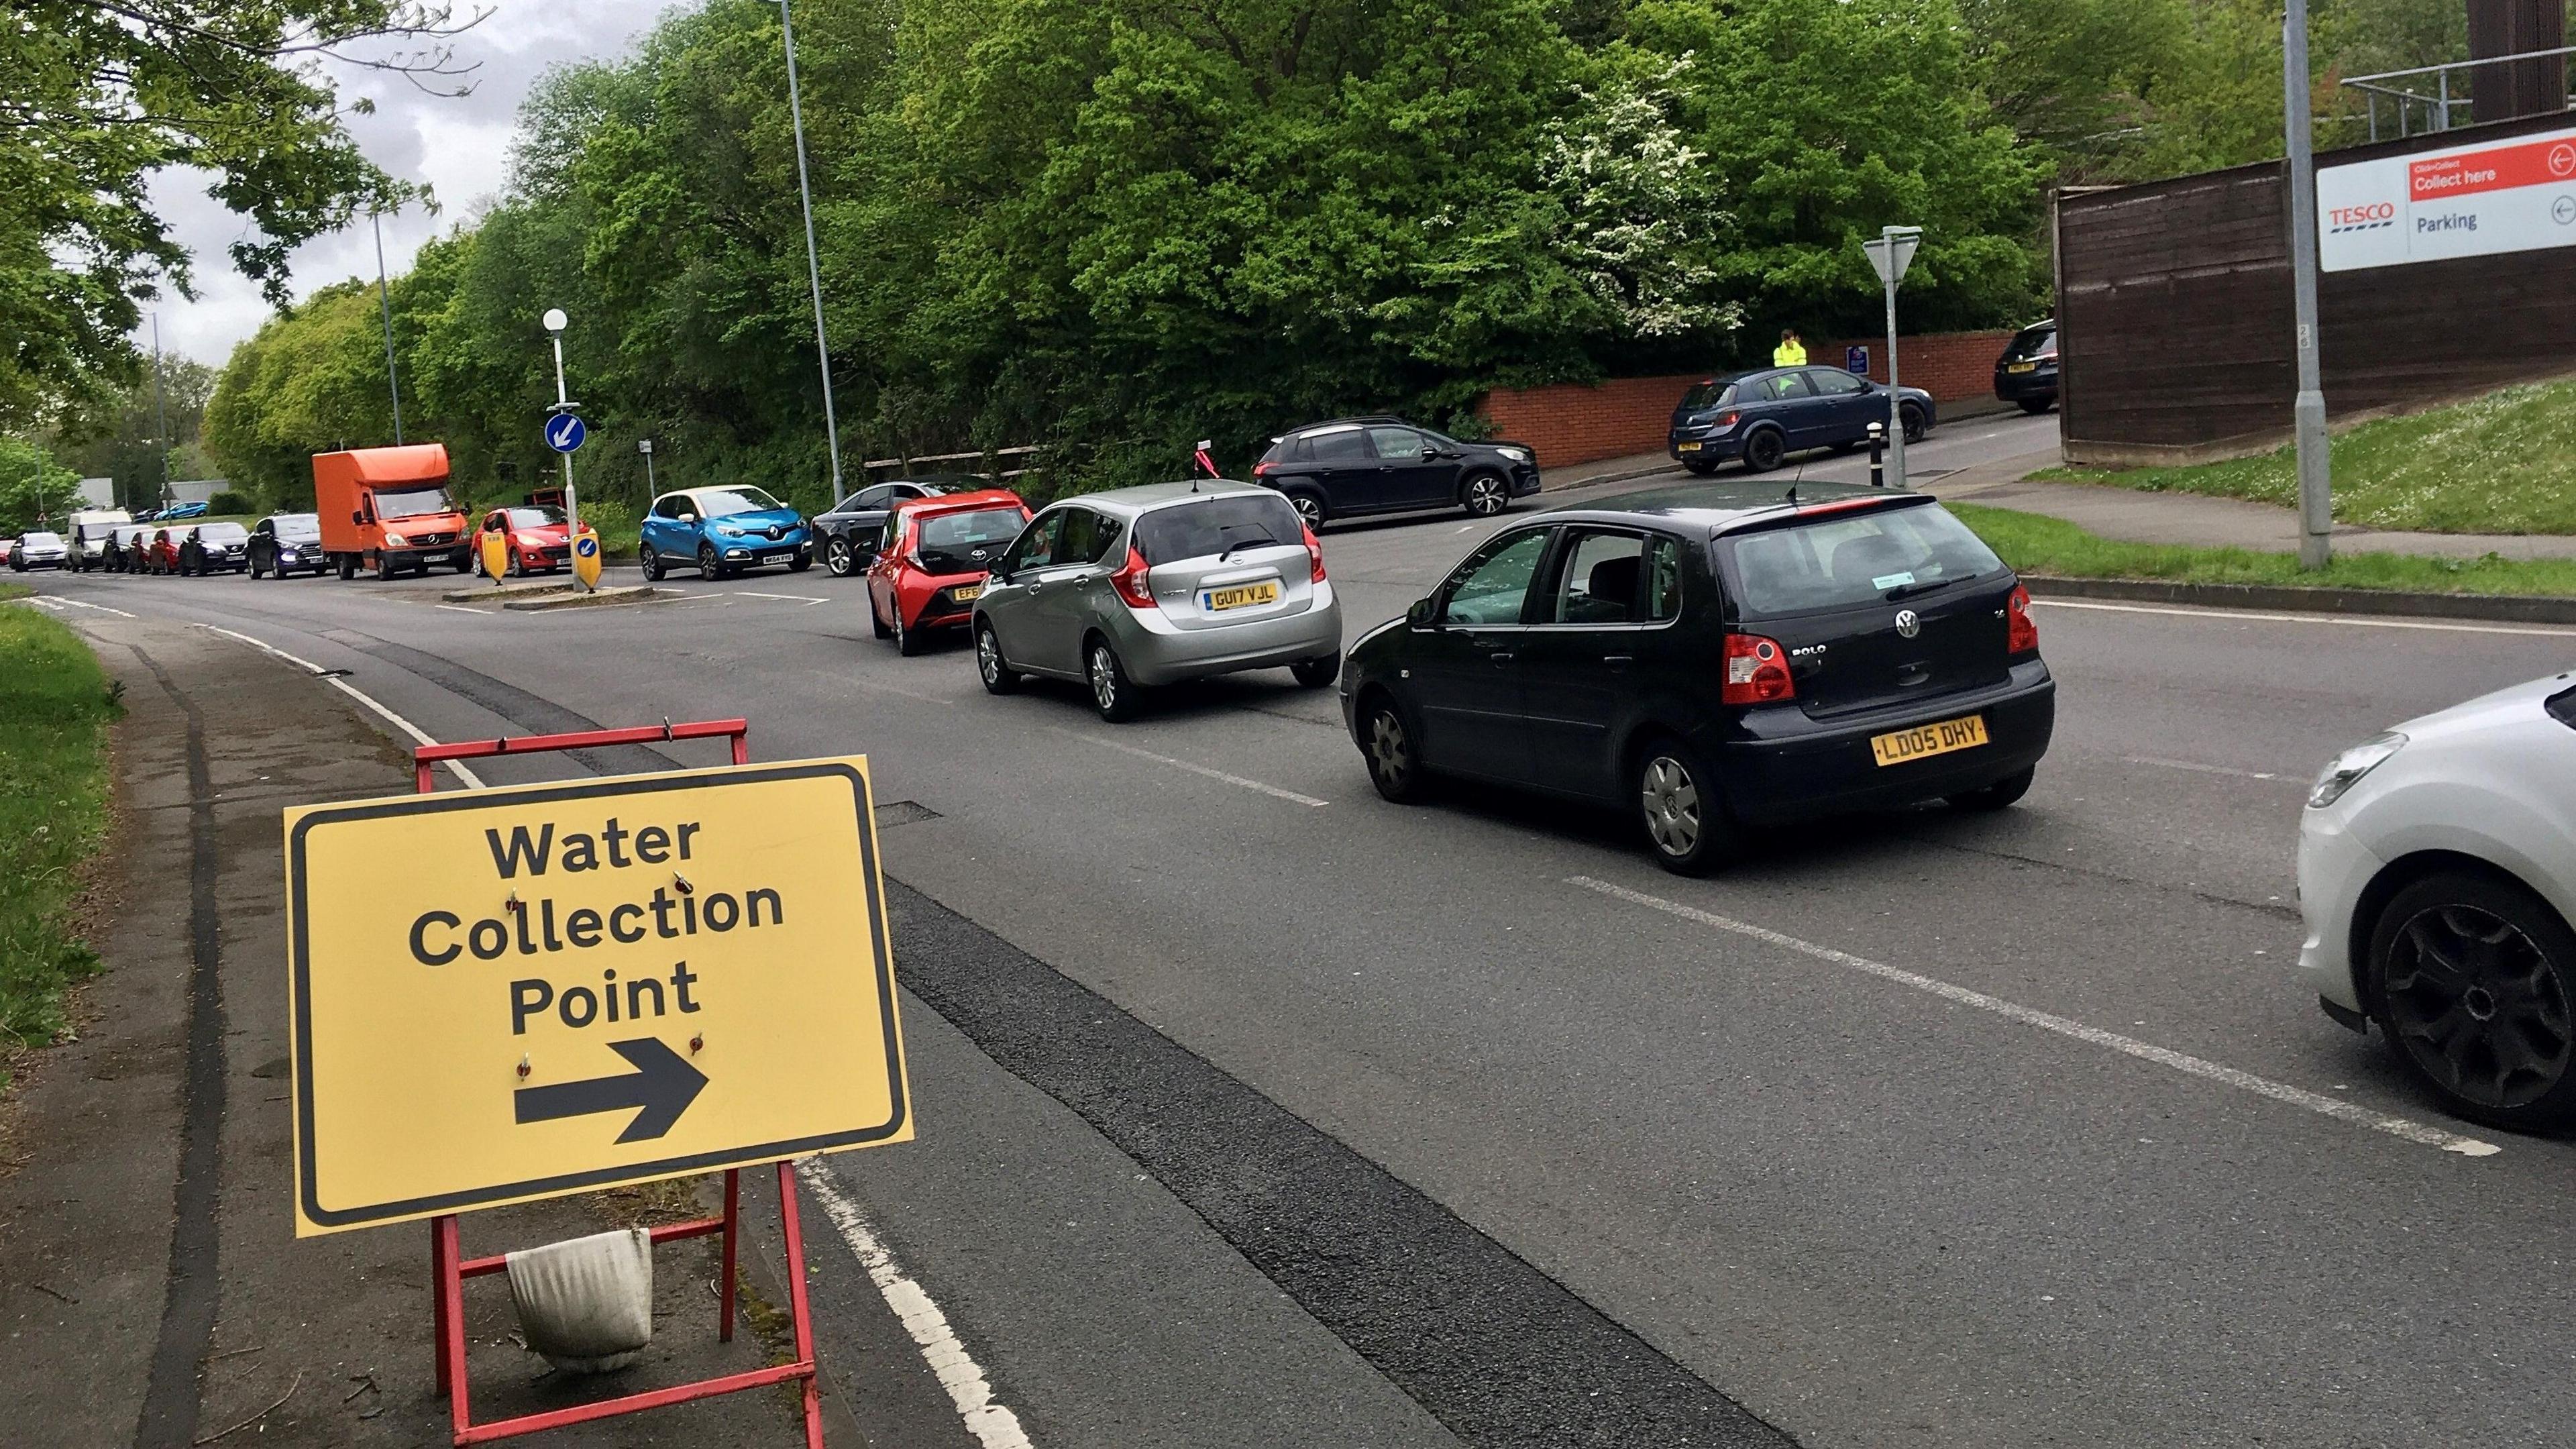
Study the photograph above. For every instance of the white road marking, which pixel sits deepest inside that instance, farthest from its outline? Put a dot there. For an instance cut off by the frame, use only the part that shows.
(459, 609)
(2349, 620)
(2201, 769)
(41, 602)
(993, 1426)
(2324, 1106)
(1272, 791)
(102, 608)
(471, 780)
(789, 598)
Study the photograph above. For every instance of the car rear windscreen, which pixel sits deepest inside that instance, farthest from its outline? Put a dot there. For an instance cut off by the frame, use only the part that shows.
(949, 540)
(2033, 342)
(1210, 526)
(1709, 395)
(1839, 561)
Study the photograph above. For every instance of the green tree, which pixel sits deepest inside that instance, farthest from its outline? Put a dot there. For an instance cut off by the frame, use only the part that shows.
(96, 96)
(35, 490)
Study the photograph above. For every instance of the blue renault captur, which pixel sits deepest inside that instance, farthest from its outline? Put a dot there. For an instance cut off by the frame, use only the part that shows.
(723, 530)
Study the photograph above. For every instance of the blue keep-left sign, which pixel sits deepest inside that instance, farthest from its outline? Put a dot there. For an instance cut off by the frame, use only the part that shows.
(586, 545)
(565, 431)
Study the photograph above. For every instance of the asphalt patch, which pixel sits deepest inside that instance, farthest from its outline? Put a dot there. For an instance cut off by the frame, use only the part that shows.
(1497, 1351)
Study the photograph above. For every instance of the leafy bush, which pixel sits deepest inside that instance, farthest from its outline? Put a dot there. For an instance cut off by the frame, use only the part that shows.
(230, 501)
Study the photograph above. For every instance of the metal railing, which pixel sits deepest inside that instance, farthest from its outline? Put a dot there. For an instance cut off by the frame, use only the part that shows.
(2436, 106)
(978, 457)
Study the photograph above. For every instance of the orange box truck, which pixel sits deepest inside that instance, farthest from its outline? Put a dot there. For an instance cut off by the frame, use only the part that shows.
(386, 510)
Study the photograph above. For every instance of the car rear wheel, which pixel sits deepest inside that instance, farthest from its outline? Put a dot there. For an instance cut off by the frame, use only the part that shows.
(348, 567)
(998, 676)
(1310, 507)
(1394, 757)
(839, 559)
(1699, 470)
(2475, 980)
(876, 622)
(1686, 823)
(1317, 672)
(2037, 405)
(907, 642)
(1112, 692)
(1485, 495)
(1764, 450)
(2000, 794)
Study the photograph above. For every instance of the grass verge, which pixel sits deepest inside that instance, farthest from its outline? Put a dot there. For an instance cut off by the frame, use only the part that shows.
(2035, 544)
(54, 790)
(2502, 463)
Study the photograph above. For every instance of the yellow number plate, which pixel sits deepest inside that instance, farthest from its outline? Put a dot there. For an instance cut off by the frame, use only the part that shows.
(2023, 367)
(1241, 596)
(1689, 447)
(968, 594)
(1932, 739)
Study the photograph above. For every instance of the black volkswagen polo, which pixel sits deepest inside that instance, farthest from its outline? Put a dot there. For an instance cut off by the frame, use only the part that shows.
(1717, 658)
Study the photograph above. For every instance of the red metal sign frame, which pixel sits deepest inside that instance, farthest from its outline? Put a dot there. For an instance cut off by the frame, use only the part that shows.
(448, 1270)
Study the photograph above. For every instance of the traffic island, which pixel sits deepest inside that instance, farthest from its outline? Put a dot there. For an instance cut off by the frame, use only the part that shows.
(569, 597)
(484, 593)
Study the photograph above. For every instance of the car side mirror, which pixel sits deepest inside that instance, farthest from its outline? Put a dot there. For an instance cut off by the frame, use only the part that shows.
(1424, 614)
(688, 517)
(357, 515)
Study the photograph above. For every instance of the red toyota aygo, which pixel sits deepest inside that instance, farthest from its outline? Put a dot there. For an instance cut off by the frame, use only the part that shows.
(932, 567)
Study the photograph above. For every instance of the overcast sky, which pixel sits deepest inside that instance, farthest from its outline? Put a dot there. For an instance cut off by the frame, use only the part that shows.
(459, 146)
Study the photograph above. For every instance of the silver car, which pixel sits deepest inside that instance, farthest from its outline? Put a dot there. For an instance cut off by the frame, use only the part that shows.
(1145, 586)
(43, 549)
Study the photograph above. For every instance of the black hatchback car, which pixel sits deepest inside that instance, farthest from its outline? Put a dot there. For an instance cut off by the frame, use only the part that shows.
(1354, 466)
(2027, 372)
(1764, 415)
(1717, 658)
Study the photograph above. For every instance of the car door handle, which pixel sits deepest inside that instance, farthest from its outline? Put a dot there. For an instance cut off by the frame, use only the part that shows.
(1618, 661)
(1504, 657)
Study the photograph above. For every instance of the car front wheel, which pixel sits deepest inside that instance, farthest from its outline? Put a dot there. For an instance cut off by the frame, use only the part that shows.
(998, 676)
(1686, 823)
(1917, 428)
(2475, 981)
(1485, 495)
(708, 567)
(1394, 756)
(650, 559)
(839, 559)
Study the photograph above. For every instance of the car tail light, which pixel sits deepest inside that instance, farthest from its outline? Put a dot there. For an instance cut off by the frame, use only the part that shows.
(1131, 583)
(1724, 420)
(1757, 671)
(2021, 632)
(1314, 553)
(1262, 468)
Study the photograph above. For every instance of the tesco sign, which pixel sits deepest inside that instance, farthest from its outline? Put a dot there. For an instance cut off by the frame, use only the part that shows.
(2463, 201)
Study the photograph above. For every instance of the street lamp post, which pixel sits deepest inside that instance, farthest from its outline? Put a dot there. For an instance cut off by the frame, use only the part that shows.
(645, 447)
(813, 266)
(2308, 412)
(384, 300)
(556, 322)
(1889, 256)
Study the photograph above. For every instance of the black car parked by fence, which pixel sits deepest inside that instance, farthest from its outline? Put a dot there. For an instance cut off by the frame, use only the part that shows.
(2027, 372)
(1350, 467)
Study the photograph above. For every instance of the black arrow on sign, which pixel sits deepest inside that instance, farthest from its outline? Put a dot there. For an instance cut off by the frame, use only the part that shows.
(662, 1084)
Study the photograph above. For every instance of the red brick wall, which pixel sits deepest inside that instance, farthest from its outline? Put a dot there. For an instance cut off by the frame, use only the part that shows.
(1578, 423)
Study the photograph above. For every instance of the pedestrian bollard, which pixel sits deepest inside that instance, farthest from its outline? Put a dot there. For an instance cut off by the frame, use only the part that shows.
(1878, 455)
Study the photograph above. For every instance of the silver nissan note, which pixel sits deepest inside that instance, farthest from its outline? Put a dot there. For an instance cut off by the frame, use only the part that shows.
(1144, 586)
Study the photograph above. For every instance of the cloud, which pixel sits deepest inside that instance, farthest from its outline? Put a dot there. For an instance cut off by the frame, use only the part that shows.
(459, 145)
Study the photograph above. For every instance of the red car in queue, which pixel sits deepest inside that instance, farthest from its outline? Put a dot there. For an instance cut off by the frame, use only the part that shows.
(539, 538)
(932, 567)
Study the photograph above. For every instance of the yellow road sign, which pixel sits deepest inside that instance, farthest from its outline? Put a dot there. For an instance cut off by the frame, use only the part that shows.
(585, 557)
(494, 547)
(508, 994)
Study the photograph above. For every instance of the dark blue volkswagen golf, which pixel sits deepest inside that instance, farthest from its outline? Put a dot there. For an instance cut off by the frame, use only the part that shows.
(1717, 658)
(1763, 416)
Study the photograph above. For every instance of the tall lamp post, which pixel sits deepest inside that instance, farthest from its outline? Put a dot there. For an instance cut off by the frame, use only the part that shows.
(813, 266)
(384, 300)
(2308, 412)
(645, 447)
